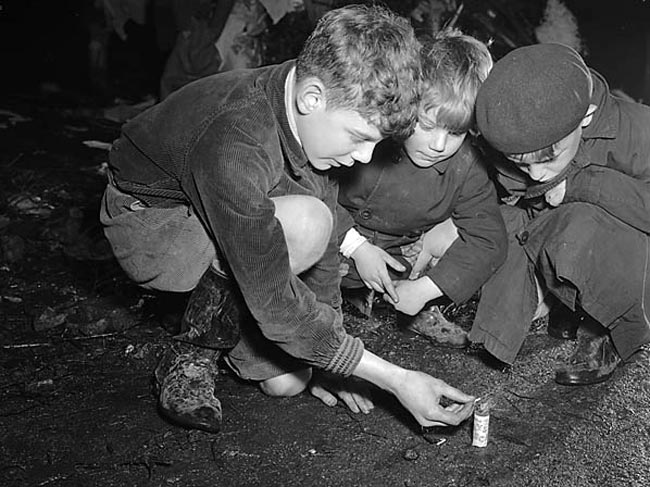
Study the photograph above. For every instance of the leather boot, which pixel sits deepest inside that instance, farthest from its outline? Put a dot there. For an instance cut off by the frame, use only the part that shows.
(185, 380)
(185, 376)
(214, 313)
(594, 359)
(640, 356)
(562, 322)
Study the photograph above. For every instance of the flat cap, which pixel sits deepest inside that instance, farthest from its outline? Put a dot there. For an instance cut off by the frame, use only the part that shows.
(533, 97)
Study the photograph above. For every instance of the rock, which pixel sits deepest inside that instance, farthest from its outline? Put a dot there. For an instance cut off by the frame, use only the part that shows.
(49, 319)
(411, 455)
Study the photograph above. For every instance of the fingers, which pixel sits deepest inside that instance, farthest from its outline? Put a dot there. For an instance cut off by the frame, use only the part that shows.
(383, 284)
(455, 407)
(420, 264)
(454, 414)
(373, 285)
(323, 394)
(390, 290)
(388, 298)
(466, 410)
(454, 394)
(394, 263)
(384, 277)
(377, 286)
(442, 416)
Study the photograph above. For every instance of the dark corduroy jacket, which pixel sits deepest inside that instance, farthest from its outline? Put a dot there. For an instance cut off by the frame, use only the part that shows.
(223, 145)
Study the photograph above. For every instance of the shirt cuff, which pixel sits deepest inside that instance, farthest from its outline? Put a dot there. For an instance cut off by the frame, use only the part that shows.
(351, 242)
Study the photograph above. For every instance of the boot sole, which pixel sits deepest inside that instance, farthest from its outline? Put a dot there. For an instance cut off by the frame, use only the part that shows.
(564, 380)
(189, 423)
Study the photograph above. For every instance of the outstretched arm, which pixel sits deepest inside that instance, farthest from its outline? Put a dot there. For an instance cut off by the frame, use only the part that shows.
(418, 392)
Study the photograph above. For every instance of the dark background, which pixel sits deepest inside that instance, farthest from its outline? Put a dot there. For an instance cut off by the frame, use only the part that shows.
(45, 41)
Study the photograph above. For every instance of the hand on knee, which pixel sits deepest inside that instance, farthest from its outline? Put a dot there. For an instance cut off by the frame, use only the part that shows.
(286, 385)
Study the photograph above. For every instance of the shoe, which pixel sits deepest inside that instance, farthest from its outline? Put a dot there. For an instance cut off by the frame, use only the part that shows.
(431, 323)
(563, 323)
(641, 356)
(594, 360)
(361, 299)
(214, 313)
(478, 350)
(185, 382)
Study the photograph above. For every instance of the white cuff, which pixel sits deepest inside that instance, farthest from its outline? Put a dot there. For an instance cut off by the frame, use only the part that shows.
(351, 242)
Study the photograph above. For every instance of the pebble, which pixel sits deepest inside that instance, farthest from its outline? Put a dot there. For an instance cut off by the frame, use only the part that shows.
(411, 455)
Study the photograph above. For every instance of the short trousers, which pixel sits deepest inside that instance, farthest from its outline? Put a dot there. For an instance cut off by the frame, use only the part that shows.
(168, 249)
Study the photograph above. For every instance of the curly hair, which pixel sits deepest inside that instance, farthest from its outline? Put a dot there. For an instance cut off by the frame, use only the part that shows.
(367, 57)
(454, 66)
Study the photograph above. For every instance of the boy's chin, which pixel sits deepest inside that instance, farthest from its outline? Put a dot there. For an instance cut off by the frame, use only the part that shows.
(323, 165)
(424, 163)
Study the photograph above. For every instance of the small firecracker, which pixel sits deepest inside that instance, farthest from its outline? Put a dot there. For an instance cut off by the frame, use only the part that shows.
(481, 422)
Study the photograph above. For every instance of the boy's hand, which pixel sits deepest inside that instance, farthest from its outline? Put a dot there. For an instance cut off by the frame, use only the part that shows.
(371, 262)
(420, 394)
(434, 245)
(555, 195)
(413, 295)
(352, 391)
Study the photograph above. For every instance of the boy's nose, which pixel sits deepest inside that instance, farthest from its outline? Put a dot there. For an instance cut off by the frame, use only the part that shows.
(363, 154)
(438, 141)
(536, 172)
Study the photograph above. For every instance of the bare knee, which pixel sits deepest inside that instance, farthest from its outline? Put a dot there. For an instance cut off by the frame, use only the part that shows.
(307, 223)
(286, 385)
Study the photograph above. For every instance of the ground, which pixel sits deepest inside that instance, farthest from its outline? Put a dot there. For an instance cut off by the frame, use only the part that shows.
(79, 343)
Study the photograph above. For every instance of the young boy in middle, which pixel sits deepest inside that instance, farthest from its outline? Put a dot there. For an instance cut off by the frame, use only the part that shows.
(425, 216)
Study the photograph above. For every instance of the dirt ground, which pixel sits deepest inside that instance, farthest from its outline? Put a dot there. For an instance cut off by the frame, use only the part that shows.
(79, 342)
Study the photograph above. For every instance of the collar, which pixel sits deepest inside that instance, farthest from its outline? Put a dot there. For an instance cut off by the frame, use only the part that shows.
(605, 122)
(289, 88)
(277, 92)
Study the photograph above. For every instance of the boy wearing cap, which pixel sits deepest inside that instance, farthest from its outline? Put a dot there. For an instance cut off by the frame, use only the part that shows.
(428, 200)
(223, 189)
(577, 179)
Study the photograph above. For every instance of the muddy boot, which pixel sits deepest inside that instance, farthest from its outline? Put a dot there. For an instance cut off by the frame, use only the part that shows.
(214, 312)
(594, 359)
(431, 323)
(186, 374)
(185, 381)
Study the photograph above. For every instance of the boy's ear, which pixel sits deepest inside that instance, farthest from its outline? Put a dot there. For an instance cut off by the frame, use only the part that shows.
(310, 96)
(589, 115)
